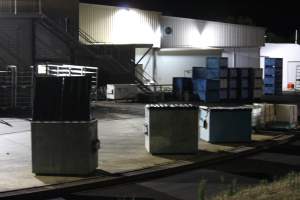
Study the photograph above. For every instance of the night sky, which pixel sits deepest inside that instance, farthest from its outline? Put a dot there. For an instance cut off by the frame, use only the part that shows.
(281, 18)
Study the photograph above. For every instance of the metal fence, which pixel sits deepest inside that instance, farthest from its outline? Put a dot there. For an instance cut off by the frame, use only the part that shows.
(16, 89)
(7, 88)
(24, 89)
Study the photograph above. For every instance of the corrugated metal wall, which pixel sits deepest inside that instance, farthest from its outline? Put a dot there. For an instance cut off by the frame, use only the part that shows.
(199, 33)
(116, 25)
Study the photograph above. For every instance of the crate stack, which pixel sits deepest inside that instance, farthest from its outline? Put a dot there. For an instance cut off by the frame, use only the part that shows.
(273, 76)
(243, 84)
(255, 83)
(182, 88)
(210, 83)
(232, 83)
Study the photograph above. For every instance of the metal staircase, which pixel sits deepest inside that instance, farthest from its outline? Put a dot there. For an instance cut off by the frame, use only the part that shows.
(86, 43)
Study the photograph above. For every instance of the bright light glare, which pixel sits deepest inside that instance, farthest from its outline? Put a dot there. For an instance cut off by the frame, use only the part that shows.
(130, 26)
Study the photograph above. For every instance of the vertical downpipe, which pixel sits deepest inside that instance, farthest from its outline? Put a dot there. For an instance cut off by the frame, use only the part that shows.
(15, 7)
(234, 57)
(296, 37)
(40, 7)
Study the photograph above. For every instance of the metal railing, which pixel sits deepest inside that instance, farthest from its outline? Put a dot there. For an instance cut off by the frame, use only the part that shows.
(7, 88)
(72, 70)
(16, 88)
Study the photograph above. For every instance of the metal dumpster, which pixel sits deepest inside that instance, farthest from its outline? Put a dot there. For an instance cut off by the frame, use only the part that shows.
(64, 148)
(225, 124)
(171, 129)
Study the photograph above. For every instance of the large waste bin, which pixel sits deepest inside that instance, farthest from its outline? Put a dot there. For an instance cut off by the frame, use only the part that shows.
(64, 138)
(64, 148)
(171, 129)
(225, 124)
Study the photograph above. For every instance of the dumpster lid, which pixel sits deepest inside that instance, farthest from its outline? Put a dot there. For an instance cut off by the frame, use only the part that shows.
(171, 106)
(226, 107)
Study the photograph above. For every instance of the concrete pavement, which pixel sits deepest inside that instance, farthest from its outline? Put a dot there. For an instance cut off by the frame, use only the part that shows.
(122, 138)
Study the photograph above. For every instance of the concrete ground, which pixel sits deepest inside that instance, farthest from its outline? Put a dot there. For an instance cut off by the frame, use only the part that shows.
(240, 173)
(122, 148)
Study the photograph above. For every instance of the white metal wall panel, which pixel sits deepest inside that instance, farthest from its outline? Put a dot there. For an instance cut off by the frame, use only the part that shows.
(199, 33)
(242, 57)
(117, 25)
(175, 63)
(290, 53)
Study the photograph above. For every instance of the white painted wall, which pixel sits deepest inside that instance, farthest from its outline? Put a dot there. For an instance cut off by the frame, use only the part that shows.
(179, 63)
(202, 34)
(116, 25)
(291, 56)
(165, 64)
(242, 57)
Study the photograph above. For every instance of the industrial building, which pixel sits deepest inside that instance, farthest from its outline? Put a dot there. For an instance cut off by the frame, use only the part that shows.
(178, 44)
(128, 46)
(95, 95)
(291, 66)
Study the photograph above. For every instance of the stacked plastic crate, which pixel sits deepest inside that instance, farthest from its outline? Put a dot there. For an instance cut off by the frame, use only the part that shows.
(210, 83)
(182, 88)
(273, 76)
(232, 84)
(255, 84)
(243, 84)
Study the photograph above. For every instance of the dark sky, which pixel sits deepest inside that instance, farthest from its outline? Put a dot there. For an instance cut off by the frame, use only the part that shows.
(279, 17)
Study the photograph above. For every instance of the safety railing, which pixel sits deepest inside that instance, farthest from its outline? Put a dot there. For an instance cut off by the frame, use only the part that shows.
(72, 70)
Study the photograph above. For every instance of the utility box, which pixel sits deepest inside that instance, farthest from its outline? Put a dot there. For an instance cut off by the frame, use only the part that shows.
(225, 124)
(64, 148)
(121, 91)
(171, 129)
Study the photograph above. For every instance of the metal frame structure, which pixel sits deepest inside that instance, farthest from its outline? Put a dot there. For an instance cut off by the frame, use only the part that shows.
(24, 89)
(16, 88)
(72, 70)
(7, 88)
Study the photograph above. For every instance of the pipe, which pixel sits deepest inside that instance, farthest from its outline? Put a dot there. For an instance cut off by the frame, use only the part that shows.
(296, 37)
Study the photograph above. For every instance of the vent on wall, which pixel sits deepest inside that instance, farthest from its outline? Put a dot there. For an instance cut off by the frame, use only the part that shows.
(168, 31)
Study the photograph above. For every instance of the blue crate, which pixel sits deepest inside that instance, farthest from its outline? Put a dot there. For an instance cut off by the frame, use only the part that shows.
(269, 90)
(232, 73)
(279, 62)
(205, 73)
(223, 73)
(181, 85)
(269, 71)
(270, 61)
(232, 83)
(223, 94)
(276, 62)
(243, 73)
(244, 94)
(216, 62)
(269, 80)
(205, 84)
(244, 83)
(232, 94)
